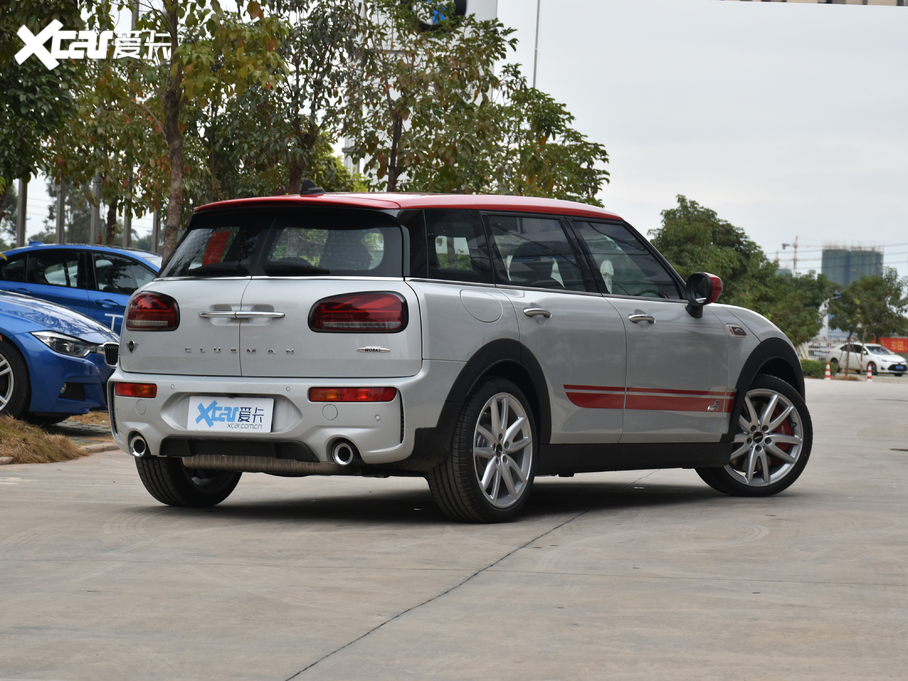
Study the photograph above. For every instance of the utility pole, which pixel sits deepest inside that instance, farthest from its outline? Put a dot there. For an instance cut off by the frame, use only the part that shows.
(95, 228)
(21, 209)
(61, 211)
(536, 51)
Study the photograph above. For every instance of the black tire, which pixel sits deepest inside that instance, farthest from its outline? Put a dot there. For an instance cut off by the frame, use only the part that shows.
(15, 388)
(872, 366)
(44, 419)
(483, 458)
(171, 483)
(772, 446)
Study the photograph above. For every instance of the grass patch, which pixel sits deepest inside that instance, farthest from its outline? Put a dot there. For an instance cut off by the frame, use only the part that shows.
(29, 444)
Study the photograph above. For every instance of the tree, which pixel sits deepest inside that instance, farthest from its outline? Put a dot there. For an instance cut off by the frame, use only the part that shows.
(795, 303)
(9, 210)
(872, 307)
(538, 152)
(323, 56)
(77, 205)
(34, 101)
(112, 138)
(694, 238)
(213, 54)
(423, 113)
(268, 139)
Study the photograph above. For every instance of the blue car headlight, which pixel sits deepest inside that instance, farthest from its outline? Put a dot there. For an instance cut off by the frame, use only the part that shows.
(65, 345)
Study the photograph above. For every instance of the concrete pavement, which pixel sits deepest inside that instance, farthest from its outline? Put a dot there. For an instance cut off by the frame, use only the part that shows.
(639, 575)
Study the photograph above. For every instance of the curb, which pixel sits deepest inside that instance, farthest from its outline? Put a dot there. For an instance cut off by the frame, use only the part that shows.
(101, 447)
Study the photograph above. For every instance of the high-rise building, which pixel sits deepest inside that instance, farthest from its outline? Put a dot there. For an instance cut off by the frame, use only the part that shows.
(845, 265)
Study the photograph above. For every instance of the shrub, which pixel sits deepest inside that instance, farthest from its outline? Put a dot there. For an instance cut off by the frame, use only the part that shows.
(814, 368)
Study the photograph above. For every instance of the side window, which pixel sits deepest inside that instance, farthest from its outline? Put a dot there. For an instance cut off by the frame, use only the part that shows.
(115, 274)
(534, 252)
(624, 263)
(457, 246)
(54, 268)
(13, 268)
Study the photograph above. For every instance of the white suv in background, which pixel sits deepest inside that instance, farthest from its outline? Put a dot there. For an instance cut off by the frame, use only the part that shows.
(476, 341)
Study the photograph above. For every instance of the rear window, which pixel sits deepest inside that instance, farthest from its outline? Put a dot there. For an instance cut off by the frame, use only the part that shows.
(290, 243)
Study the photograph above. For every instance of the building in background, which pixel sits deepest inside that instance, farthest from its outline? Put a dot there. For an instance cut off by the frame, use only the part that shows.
(845, 265)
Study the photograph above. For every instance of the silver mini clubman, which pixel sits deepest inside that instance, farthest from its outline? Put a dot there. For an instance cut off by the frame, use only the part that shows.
(476, 341)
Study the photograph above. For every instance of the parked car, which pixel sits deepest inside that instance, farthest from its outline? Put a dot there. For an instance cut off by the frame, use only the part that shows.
(94, 280)
(477, 341)
(52, 362)
(857, 357)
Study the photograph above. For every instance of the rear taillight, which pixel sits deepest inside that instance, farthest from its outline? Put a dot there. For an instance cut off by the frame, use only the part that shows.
(352, 394)
(148, 390)
(152, 312)
(360, 313)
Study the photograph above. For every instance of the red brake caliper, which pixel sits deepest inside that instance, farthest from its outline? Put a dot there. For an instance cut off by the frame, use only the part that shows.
(783, 429)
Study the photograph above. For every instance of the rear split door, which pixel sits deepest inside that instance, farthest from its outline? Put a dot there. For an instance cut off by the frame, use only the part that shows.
(329, 300)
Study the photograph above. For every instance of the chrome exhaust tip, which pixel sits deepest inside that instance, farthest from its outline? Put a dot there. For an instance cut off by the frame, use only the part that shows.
(137, 446)
(343, 453)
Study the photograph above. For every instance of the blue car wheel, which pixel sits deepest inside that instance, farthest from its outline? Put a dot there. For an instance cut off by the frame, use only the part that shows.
(14, 387)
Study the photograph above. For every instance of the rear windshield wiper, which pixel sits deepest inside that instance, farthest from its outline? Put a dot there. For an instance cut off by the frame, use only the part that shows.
(216, 268)
(290, 268)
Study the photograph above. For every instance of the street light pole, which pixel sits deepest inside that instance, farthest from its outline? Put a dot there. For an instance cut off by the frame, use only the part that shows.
(536, 51)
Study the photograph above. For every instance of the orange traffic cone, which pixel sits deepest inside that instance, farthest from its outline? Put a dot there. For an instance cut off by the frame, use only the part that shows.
(869, 374)
(828, 376)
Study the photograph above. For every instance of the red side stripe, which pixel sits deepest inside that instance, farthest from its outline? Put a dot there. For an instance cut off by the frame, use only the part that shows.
(597, 388)
(666, 391)
(597, 401)
(649, 399)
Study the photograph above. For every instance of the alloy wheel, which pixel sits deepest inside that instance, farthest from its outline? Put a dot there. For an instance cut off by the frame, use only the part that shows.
(770, 439)
(503, 450)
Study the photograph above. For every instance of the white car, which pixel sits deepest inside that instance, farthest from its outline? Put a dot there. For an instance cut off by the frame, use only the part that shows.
(858, 356)
(476, 341)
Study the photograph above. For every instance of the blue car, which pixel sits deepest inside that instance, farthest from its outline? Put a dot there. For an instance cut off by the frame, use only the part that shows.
(94, 280)
(52, 360)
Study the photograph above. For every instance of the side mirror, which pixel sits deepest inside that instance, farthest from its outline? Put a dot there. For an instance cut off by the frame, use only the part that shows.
(702, 289)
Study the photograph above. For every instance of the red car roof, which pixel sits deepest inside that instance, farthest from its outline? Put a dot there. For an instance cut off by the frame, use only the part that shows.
(378, 201)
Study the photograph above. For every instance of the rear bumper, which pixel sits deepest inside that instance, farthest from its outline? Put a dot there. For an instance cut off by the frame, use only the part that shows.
(382, 432)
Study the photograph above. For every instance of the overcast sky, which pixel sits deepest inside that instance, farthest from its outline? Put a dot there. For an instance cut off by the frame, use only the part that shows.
(789, 120)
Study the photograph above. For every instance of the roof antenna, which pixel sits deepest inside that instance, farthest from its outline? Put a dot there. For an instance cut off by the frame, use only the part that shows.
(309, 188)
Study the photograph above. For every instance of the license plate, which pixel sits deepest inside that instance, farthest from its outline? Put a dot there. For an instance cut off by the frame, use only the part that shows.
(230, 414)
(897, 367)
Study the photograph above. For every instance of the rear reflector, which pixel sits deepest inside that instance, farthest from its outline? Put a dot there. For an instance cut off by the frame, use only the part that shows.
(384, 312)
(152, 312)
(352, 394)
(136, 389)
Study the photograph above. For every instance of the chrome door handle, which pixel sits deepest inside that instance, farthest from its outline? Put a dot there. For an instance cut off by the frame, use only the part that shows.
(537, 312)
(638, 317)
(232, 314)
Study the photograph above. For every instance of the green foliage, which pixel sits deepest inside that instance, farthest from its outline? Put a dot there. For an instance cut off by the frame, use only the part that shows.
(694, 239)
(424, 110)
(78, 208)
(538, 153)
(814, 369)
(35, 102)
(794, 305)
(872, 307)
(9, 209)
